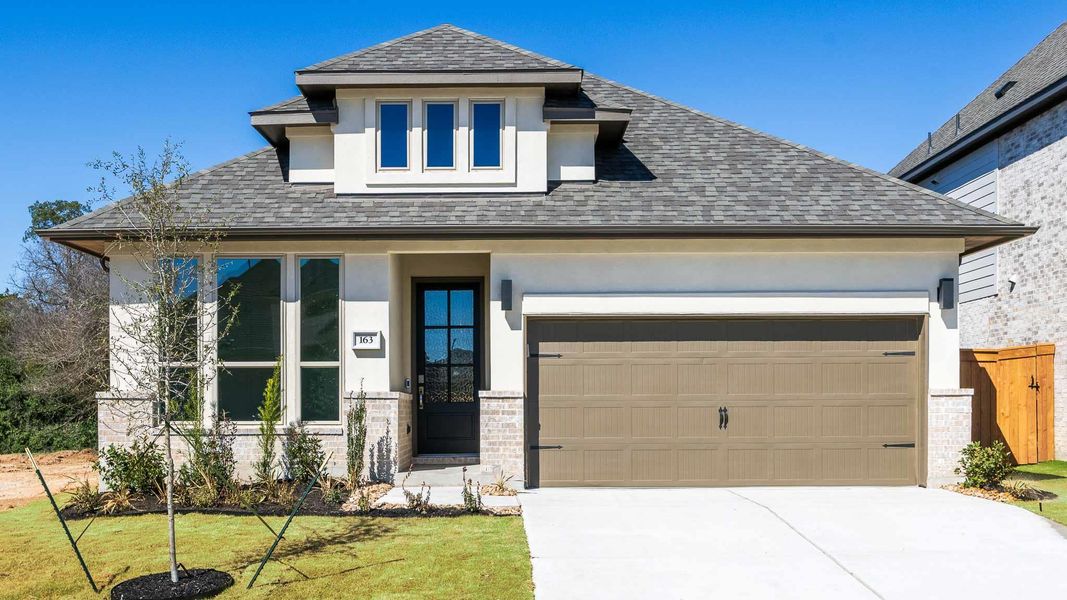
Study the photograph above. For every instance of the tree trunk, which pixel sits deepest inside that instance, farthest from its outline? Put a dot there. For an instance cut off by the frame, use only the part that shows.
(170, 508)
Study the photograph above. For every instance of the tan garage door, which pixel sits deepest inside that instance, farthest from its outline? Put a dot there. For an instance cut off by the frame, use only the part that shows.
(723, 402)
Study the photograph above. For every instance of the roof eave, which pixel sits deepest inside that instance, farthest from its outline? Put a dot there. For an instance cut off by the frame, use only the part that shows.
(271, 124)
(978, 237)
(310, 81)
(1023, 110)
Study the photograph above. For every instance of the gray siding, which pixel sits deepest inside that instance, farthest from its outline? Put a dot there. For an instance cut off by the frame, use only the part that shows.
(973, 179)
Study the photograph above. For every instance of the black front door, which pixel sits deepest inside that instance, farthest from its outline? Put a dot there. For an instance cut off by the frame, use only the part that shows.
(447, 359)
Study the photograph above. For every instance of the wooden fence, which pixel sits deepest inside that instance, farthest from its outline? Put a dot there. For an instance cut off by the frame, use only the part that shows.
(1013, 398)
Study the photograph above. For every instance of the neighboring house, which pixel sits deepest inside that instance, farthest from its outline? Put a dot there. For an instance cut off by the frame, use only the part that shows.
(1006, 152)
(574, 282)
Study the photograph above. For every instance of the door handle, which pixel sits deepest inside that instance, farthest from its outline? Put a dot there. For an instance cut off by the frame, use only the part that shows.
(535, 447)
(903, 445)
(726, 419)
(421, 390)
(721, 417)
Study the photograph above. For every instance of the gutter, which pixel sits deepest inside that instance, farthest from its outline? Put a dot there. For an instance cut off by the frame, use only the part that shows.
(1003, 232)
(1035, 103)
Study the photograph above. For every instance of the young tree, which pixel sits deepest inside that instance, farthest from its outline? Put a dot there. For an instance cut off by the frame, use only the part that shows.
(165, 323)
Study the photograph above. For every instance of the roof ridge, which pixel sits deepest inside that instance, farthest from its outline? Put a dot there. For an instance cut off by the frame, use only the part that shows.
(803, 148)
(502, 44)
(385, 44)
(114, 205)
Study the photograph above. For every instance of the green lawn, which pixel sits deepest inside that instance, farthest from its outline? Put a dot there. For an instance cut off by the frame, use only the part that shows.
(1050, 476)
(321, 557)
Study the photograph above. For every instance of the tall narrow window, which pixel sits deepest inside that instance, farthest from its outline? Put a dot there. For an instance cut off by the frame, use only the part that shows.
(487, 127)
(440, 135)
(254, 341)
(183, 338)
(393, 125)
(320, 366)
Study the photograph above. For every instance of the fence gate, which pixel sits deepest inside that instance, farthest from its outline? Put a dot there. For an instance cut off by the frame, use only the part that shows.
(1013, 398)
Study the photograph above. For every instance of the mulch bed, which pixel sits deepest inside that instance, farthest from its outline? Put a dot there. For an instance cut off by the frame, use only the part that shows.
(194, 583)
(1003, 493)
(315, 505)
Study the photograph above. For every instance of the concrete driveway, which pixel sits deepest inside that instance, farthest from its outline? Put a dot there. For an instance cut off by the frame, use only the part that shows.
(788, 543)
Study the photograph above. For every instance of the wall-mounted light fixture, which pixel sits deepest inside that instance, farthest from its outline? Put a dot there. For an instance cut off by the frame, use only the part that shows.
(505, 294)
(946, 293)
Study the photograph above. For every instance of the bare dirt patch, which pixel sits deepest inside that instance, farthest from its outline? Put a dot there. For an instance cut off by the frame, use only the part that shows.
(19, 484)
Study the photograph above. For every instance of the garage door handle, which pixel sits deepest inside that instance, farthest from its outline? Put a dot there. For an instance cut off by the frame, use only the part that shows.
(546, 447)
(907, 445)
(545, 355)
(905, 353)
(722, 417)
(726, 421)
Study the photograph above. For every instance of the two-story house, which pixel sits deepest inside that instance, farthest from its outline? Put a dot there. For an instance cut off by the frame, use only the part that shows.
(558, 277)
(1006, 152)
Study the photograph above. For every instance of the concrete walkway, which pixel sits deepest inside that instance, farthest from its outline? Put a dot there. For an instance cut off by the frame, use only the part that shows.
(788, 543)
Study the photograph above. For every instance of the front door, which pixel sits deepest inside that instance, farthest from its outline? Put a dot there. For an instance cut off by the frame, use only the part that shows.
(448, 352)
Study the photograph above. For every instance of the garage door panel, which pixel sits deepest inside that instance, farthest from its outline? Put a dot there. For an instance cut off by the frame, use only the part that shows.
(636, 402)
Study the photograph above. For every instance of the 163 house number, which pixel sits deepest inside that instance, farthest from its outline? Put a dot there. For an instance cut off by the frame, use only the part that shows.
(366, 340)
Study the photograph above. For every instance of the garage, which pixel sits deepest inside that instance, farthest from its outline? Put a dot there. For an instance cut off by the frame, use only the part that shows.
(724, 402)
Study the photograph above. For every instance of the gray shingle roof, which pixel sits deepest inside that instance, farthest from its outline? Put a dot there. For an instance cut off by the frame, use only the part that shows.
(298, 104)
(442, 48)
(678, 167)
(1042, 67)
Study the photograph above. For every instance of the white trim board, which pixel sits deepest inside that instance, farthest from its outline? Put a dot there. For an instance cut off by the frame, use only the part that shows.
(805, 303)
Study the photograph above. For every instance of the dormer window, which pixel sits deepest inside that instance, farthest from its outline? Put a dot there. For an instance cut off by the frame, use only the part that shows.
(394, 122)
(440, 129)
(487, 133)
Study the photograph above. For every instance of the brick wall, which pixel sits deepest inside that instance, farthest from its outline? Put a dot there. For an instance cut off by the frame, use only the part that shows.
(502, 436)
(948, 431)
(1032, 189)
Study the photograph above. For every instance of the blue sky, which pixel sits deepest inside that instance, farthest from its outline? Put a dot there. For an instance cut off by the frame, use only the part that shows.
(864, 81)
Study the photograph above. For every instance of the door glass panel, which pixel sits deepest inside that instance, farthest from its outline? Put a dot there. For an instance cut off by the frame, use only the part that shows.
(462, 304)
(435, 309)
(436, 346)
(462, 347)
(462, 384)
(436, 384)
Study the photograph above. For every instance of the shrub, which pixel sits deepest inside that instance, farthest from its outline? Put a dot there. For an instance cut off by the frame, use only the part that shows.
(302, 455)
(85, 498)
(356, 438)
(209, 473)
(138, 469)
(984, 466)
(270, 413)
(472, 496)
(418, 502)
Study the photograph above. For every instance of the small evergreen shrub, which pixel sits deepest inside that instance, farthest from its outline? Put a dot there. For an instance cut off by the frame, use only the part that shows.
(270, 412)
(139, 469)
(356, 438)
(984, 466)
(302, 455)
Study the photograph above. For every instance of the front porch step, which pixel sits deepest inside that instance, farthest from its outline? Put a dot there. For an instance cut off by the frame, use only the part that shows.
(445, 459)
(446, 476)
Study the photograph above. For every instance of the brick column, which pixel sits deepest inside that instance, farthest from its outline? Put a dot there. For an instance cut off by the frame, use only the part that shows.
(388, 434)
(948, 431)
(502, 436)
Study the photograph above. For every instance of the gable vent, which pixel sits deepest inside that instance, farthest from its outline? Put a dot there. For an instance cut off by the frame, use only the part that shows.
(1003, 89)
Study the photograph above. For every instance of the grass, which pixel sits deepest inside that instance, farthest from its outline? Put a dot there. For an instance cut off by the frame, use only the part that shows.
(471, 556)
(1050, 476)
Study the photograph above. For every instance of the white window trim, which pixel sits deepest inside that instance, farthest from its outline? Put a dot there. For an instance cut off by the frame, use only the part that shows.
(213, 392)
(500, 132)
(299, 363)
(378, 136)
(426, 133)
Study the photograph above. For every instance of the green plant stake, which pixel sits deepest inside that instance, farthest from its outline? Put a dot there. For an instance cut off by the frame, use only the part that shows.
(281, 532)
(63, 522)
